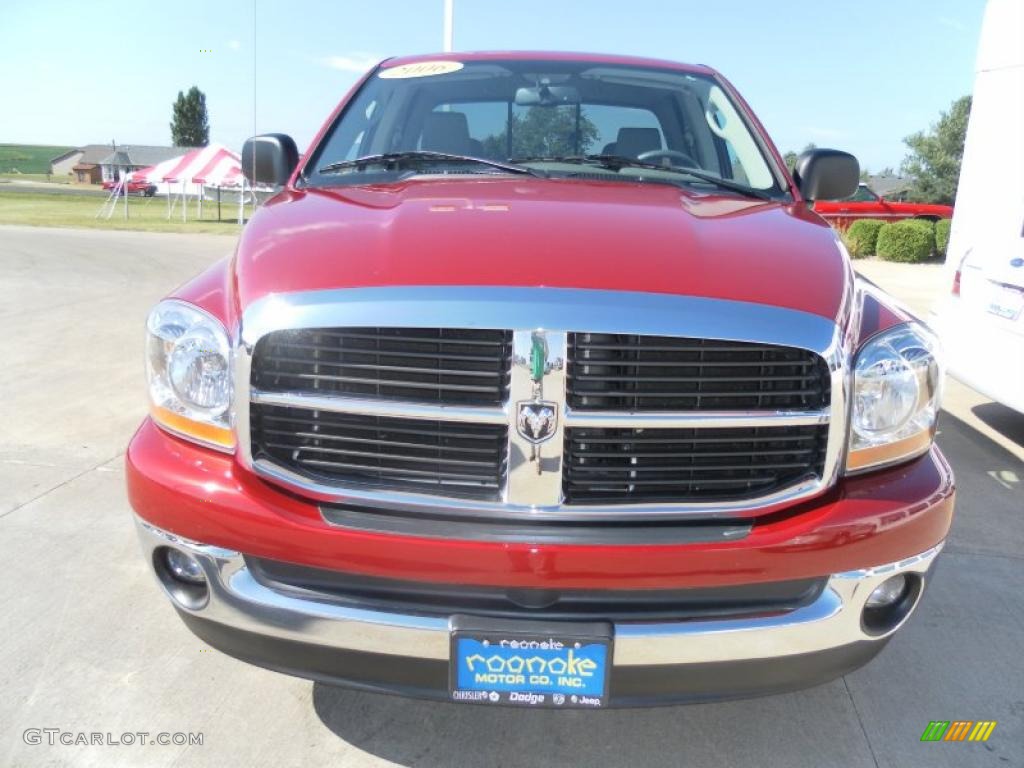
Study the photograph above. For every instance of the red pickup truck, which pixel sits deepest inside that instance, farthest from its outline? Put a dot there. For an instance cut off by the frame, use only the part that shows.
(515, 394)
(142, 188)
(865, 204)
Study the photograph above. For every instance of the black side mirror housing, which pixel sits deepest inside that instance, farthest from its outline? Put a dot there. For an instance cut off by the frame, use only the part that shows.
(826, 174)
(269, 159)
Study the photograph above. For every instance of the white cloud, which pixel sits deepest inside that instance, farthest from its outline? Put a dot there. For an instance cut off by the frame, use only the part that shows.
(234, 45)
(353, 62)
(952, 23)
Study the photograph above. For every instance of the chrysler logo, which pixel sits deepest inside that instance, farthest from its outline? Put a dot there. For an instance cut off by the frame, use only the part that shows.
(536, 420)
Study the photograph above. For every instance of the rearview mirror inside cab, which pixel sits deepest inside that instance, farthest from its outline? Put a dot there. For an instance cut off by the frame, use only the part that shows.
(547, 96)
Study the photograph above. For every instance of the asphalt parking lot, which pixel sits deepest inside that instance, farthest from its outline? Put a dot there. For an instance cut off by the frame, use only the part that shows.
(90, 644)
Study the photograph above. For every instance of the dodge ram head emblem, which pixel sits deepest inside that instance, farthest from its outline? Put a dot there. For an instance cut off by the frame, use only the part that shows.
(536, 420)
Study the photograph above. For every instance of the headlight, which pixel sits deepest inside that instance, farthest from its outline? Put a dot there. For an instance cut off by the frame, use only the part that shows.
(896, 390)
(188, 364)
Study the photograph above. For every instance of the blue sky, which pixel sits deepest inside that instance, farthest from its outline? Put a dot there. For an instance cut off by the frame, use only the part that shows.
(858, 76)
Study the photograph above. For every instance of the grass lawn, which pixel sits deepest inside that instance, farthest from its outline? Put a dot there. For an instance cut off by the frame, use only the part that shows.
(28, 158)
(147, 214)
(36, 177)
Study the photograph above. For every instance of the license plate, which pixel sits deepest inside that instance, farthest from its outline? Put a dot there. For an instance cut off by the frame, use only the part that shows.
(1006, 303)
(497, 663)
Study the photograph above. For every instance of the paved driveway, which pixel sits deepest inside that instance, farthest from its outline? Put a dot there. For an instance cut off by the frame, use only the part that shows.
(88, 643)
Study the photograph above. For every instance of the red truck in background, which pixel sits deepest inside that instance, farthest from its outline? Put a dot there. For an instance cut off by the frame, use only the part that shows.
(514, 394)
(143, 188)
(866, 204)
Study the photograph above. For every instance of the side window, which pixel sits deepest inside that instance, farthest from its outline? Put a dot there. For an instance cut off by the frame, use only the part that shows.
(725, 123)
(603, 123)
(352, 152)
(355, 133)
(862, 195)
(738, 174)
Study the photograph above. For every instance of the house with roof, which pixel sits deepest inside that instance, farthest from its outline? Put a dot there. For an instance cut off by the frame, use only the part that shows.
(83, 163)
(96, 163)
(889, 186)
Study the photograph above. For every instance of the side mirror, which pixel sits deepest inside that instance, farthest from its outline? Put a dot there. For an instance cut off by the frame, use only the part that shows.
(826, 174)
(269, 159)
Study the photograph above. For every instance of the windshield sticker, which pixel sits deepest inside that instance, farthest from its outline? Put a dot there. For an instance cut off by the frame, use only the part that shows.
(421, 69)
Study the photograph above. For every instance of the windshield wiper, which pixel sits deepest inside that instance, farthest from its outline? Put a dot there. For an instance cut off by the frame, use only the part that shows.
(617, 162)
(423, 157)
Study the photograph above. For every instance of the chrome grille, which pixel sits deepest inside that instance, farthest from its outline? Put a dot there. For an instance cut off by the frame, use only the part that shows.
(655, 418)
(621, 372)
(428, 365)
(687, 465)
(465, 460)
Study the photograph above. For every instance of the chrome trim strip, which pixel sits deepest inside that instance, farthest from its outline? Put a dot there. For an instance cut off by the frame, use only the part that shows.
(238, 600)
(832, 621)
(553, 309)
(555, 312)
(392, 521)
(397, 409)
(535, 469)
(700, 419)
(449, 506)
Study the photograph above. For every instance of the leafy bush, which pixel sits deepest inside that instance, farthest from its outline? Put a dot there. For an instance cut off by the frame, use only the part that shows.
(942, 235)
(861, 237)
(908, 241)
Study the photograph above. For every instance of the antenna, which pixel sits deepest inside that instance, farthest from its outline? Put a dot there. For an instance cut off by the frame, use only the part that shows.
(449, 24)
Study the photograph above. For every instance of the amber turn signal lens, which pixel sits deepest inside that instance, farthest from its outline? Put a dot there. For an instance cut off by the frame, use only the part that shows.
(219, 437)
(889, 453)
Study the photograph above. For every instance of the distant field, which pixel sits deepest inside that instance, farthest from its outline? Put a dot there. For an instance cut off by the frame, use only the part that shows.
(28, 158)
(144, 213)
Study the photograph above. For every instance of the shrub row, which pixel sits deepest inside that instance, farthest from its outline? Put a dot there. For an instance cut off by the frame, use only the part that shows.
(911, 240)
(942, 235)
(862, 236)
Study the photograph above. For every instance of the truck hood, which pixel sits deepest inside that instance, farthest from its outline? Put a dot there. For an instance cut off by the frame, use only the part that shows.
(511, 231)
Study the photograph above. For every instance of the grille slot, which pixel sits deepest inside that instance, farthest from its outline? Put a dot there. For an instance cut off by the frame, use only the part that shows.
(621, 465)
(426, 365)
(423, 456)
(443, 600)
(618, 372)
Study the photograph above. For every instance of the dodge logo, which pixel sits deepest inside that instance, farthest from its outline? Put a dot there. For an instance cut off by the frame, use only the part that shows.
(536, 420)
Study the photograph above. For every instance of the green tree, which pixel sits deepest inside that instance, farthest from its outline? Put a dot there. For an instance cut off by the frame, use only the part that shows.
(933, 164)
(544, 132)
(190, 126)
(791, 157)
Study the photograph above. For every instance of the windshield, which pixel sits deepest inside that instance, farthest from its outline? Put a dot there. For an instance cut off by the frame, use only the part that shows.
(554, 117)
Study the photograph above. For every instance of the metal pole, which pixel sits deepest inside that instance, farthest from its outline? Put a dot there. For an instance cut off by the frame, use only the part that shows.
(449, 25)
(218, 202)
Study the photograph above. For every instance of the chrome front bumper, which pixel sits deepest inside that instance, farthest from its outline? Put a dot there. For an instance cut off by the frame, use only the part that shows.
(236, 600)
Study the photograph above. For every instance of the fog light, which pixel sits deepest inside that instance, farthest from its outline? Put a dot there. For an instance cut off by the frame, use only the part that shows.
(184, 567)
(887, 593)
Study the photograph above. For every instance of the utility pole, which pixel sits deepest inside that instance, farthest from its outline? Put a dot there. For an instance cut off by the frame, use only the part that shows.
(449, 24)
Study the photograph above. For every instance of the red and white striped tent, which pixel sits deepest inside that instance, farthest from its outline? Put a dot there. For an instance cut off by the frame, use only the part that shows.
(214, 165)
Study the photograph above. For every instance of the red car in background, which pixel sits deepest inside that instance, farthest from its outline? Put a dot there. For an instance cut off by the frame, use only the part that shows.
(143, 188)
(865, 204)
